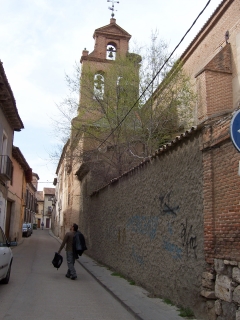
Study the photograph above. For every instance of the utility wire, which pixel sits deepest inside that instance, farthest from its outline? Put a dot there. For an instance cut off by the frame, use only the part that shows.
(155, 75)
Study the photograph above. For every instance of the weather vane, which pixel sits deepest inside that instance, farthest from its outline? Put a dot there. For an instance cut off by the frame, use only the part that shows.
(112, 8)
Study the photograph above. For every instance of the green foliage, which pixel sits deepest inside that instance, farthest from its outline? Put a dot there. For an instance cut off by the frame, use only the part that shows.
(186, 313)
(122, 118)
(116, 274)
(168, 301)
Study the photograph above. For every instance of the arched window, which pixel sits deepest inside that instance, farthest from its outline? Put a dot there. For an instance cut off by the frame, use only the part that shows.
(111, 51)
(98, 86)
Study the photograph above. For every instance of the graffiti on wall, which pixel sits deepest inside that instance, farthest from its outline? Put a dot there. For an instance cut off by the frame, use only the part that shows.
(189, 240)
(165, 207)
(148, 226)
(143, 225)
(174, 250)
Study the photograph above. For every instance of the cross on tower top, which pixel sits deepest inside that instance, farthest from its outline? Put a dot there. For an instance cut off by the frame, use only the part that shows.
(112, 8)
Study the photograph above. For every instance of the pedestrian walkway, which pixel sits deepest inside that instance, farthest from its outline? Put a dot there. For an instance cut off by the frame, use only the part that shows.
(134, 298)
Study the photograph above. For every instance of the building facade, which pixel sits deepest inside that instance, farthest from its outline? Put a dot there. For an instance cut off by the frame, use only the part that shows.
(48, 195)
(10, 121)
(21, 196)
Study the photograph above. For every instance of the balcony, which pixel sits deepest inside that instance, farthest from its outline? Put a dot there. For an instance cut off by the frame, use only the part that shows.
(6, 168)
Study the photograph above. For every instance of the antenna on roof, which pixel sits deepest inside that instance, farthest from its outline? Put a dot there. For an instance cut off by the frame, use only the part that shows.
(112, 8)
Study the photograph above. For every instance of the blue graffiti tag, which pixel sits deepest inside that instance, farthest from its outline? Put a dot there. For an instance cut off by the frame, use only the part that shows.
(170, 230)
(143, 225)
(136, 257)
(175, 251)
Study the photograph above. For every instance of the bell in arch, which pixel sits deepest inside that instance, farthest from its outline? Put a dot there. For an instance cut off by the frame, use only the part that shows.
(110, 55)
(111, 52)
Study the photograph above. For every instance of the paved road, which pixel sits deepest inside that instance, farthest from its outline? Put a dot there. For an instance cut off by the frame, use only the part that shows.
(39, 291)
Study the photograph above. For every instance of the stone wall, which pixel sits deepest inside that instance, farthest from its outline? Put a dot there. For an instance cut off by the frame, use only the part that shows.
(148, 225)
(225, 283)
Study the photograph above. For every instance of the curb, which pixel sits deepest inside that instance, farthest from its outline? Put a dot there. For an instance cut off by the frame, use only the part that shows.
(136, 316)
(111, 292)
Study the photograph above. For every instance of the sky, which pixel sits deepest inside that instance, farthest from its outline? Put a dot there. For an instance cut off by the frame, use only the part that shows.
(40, 41)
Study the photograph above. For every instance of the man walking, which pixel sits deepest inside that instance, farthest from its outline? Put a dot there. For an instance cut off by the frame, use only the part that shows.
(70, 254)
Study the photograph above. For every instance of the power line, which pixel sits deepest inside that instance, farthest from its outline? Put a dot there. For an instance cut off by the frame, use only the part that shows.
(45, 182)
(156, 74)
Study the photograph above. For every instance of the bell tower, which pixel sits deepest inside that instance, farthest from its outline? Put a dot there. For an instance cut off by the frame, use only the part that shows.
(110, 41)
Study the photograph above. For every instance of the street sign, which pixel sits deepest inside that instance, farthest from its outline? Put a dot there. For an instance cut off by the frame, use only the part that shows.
(235, 130)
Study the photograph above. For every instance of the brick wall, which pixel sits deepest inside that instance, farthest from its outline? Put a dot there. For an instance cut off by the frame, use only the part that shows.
(221, 193)
(209, 44)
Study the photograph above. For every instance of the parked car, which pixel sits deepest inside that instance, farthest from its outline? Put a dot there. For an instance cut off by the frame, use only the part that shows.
(26, 232)
(6, 257)
(30, 226)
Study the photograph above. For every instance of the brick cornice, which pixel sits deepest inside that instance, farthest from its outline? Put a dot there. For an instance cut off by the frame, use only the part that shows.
(209, 25)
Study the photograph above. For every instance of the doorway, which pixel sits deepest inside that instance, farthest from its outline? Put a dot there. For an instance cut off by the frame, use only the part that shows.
(8, 219)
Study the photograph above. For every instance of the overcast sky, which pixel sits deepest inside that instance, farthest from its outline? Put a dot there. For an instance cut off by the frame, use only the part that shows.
(40, 40)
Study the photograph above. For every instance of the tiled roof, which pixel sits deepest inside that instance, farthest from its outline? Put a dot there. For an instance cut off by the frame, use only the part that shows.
(17, 154)
(8, 103)
(50, 191)
(35, 175)
(39, 195)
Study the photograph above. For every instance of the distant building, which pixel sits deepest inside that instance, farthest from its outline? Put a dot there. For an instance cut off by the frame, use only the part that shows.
(39, 211)
(48, 200)
(21, 196)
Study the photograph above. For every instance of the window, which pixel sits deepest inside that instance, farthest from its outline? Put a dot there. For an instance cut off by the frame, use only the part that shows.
(4, 144)
(98, 86)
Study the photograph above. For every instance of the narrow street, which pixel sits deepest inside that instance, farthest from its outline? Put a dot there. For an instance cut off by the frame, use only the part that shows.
(39, 291)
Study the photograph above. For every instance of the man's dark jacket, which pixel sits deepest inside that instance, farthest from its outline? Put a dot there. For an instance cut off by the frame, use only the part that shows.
(79, 244)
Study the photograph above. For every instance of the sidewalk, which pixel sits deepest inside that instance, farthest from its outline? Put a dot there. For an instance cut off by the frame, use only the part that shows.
(134, 298)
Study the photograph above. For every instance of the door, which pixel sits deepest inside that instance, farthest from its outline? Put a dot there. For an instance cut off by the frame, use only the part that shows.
(38, 223)
(47, 222)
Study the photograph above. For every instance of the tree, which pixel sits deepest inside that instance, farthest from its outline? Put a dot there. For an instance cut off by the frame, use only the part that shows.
(120, 117)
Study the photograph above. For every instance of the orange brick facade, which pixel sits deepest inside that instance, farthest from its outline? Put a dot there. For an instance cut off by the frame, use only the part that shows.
(221, 193)
(213, 65)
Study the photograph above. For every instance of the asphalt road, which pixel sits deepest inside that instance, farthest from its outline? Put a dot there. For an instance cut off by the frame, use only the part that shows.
(37, 290)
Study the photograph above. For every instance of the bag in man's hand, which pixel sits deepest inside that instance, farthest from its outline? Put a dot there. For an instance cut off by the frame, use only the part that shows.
(57, 260)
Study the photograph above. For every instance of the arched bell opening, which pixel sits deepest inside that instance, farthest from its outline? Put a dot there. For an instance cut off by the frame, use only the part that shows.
(111, 51)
